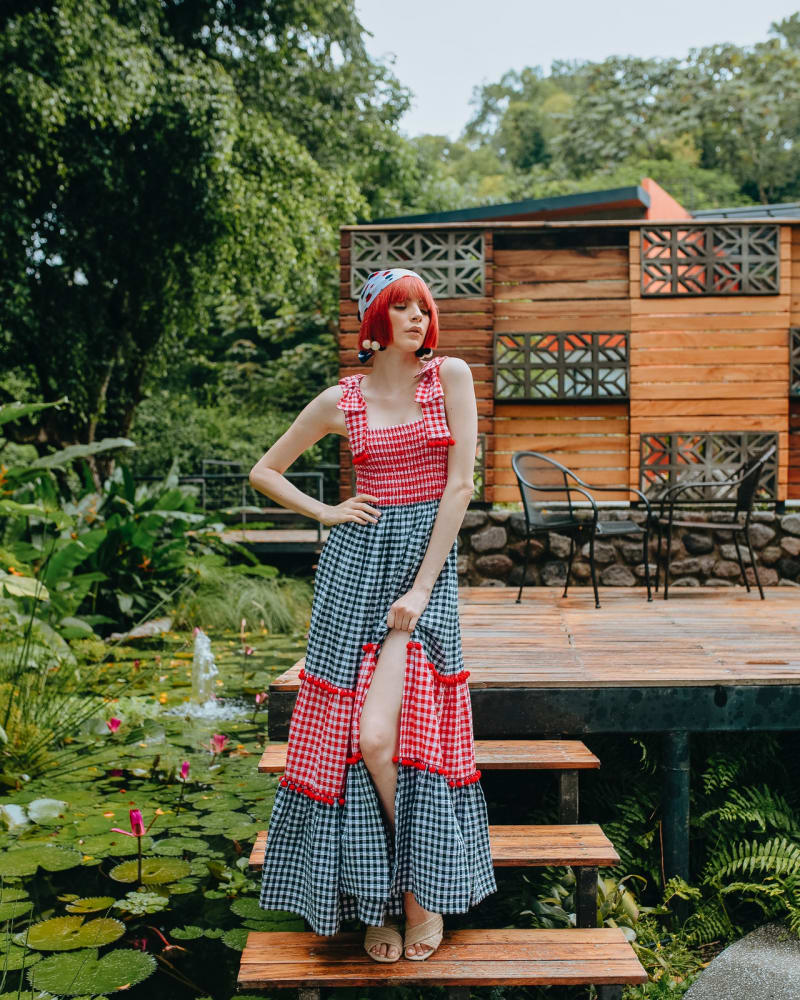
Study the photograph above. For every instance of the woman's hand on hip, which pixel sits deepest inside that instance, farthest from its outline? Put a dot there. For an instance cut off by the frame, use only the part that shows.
(406, 610)
(354, 508)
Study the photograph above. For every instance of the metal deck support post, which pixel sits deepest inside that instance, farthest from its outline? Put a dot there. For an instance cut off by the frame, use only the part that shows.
(309, 993)
(609, 993)
(458, 993)
(567, 797)
(675, 804)
(586, 897)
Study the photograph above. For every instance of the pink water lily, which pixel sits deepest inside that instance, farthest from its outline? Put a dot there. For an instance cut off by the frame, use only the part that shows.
(114, 724)
(260, 697)
(218, 742)
(185, 770)
(248, 650)
(137, 825)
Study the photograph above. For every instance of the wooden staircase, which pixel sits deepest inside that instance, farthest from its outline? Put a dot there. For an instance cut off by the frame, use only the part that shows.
(510, 956)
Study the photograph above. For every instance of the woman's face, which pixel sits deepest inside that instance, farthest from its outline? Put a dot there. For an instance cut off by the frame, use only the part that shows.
(410, 321)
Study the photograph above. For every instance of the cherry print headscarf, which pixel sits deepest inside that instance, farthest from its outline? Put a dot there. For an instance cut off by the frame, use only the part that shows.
(376, 283)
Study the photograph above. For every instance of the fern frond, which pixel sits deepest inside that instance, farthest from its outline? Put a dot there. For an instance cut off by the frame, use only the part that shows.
(778, 856)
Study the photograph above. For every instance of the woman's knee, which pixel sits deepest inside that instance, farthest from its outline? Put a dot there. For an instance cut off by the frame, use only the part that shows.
(377, 738)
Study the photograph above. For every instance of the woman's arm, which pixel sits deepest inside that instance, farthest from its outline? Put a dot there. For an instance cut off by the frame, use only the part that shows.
(462, 417)
(320, 417)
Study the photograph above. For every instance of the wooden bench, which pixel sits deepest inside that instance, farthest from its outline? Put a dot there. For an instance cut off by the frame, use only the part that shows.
(566, 757)
(504, 957)
(584, 848)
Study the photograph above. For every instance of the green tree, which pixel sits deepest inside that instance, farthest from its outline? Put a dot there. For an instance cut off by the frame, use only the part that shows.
(170, 168)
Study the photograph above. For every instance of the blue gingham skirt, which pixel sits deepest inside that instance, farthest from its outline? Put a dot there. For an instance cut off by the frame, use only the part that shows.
(330, 864)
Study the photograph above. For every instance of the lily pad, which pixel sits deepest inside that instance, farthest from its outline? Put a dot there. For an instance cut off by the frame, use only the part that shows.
(115, 844)
(14, 958)
(188, 933)
(173, 847)
(90, 904)
(154, 870)
(9, 895)
(10, 911)
(82, 972)
(218, 822)
(25, 860)
(47, 811)
(236, 938)
(68, 933)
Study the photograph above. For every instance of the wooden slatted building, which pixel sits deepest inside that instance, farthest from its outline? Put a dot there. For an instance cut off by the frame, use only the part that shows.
(630, 340)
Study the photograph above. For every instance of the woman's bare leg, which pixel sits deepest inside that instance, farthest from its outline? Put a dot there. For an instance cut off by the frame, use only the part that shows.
(379, 736)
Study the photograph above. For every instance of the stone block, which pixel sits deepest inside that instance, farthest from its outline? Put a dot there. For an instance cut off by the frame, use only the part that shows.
(490, 583)
(789, 568)
(554, 573)
(685, 581)
(693, 565)
(788, 583)
(771, 554)
(631, 552)
(517, 550)
(697, 544)
(791, 524)
(768, 577)
(500, 516)
(639, 571)
(714, 581)
(516, 524)
(581, 571)
(763, 965)
(760, 535)
(617, 576)
(559, 545)
(790, 545)
(764, 516)
(726, 570)
(532, 578)
(473, 519)
(489, 539)
(720, 516)
(729, 552)
(495, 565)
(604, 552)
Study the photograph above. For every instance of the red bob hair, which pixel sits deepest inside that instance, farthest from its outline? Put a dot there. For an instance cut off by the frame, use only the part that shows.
(376, 324)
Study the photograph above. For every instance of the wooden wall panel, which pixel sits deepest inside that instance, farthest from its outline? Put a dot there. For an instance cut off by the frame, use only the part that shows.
(793, 473)
(465, 331)
(577, 287)
(711, 363)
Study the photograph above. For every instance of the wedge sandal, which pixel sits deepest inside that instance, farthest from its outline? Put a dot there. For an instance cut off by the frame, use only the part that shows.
(429, 932)
(388, 934)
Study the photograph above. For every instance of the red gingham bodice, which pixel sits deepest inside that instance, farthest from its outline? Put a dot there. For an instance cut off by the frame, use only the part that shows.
(403, 463)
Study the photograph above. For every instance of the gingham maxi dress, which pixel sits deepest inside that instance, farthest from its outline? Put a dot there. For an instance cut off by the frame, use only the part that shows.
(330, 853)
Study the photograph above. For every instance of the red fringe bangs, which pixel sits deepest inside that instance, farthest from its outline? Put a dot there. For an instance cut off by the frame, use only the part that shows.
(376, 324)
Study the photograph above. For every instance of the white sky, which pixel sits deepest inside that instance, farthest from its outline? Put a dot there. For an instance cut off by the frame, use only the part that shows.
(444, 48)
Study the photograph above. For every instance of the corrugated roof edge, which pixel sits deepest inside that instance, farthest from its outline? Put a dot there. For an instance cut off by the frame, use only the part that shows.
(478, 213)
(782, 210)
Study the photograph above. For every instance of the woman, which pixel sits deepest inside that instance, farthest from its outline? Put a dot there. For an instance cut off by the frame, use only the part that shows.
(379, 812)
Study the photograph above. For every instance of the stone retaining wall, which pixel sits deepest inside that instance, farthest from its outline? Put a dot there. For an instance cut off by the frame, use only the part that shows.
(491, 547)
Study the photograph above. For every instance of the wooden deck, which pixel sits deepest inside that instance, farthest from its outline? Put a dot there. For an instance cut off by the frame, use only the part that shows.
(707, 659)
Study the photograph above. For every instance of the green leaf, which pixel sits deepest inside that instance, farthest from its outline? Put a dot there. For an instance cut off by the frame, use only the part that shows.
(154, 870)
(235, 938)
(68, 933)
(16, 410)
(10, 911)
(188, 933)
(81, 972)
(46, 810)
(23, 586)
(116, 845)
(90, 904)
(14, 958)
(66, 455)
(25, 860)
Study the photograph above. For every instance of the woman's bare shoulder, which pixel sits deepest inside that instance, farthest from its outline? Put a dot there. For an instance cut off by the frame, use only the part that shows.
(454, 371)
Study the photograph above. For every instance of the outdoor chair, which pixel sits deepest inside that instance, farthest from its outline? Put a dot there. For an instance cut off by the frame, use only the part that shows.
(744, 481)
(542, 481)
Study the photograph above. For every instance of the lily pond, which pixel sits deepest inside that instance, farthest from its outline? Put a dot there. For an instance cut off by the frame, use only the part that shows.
(128, 864)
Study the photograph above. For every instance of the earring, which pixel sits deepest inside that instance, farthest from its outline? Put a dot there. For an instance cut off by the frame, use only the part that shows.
(367, 350)
(424, 353)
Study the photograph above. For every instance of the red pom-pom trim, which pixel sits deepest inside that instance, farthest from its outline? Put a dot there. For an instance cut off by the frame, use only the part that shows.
(449, 679)
(354, 759)
(324, 685)
(312, 793)
(360, 459)
(441, 442)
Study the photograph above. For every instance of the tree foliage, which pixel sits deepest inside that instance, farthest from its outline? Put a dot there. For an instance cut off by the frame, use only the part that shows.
(173, 168)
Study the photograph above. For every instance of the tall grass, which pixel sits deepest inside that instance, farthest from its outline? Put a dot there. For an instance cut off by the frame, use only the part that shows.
(220, 600)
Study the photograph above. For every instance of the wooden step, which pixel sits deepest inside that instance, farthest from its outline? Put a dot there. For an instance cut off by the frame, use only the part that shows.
(490, 755)
(525, 846)
(507, 957)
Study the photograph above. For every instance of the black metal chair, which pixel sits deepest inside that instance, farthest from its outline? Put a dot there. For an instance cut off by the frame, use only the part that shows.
(744, 481)
(542, 479)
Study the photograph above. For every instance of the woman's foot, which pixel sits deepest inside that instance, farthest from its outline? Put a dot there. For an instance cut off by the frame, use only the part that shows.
(417, 915)
(383, 944)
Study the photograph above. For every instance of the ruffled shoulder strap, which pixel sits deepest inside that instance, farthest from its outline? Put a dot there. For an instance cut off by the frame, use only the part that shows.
(430, 395)
(355, 415)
